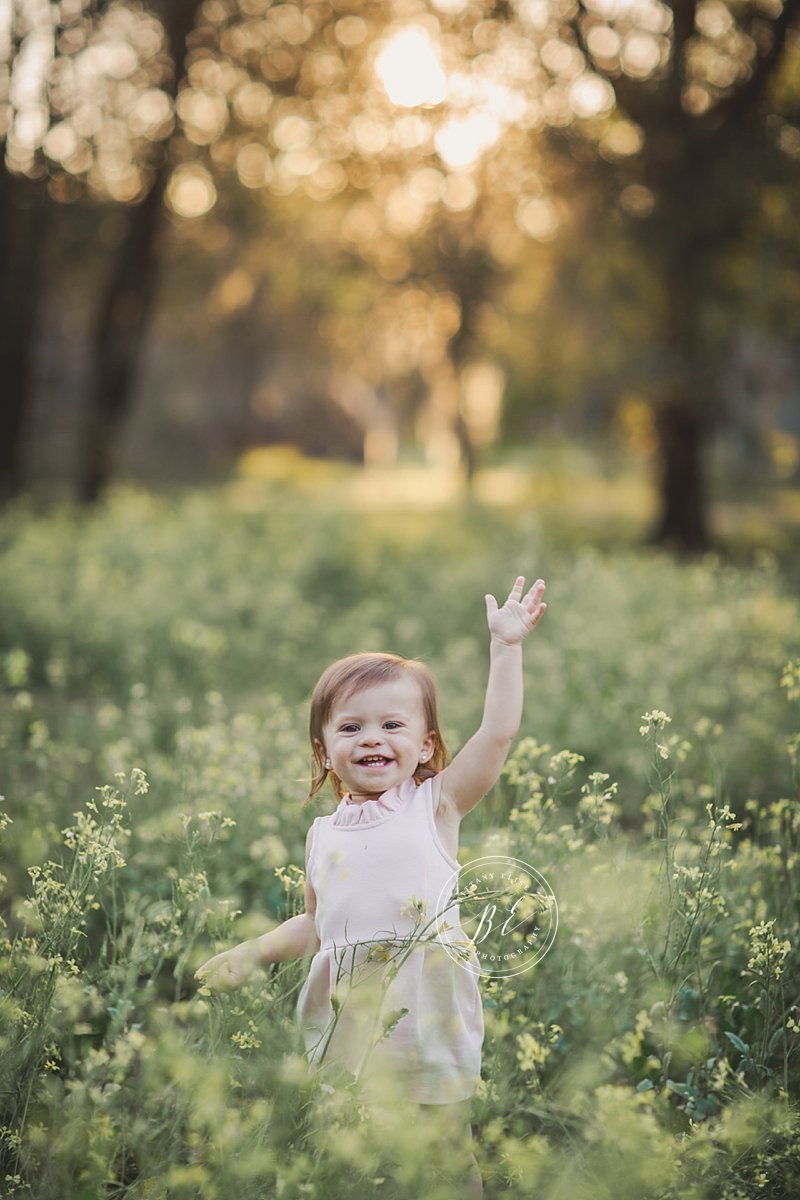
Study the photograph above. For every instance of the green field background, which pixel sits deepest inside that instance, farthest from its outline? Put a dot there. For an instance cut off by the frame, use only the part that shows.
(157, 656)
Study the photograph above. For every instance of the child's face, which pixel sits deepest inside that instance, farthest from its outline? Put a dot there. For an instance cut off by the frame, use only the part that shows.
(375, 738)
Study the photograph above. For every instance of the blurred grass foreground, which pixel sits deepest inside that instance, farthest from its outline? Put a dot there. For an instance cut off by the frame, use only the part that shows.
(156, 660)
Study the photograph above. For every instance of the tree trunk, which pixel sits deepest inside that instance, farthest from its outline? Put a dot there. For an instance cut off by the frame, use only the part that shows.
(118, 339)
(683, 518)
(23, 205)
(128, 298)
(683, 403)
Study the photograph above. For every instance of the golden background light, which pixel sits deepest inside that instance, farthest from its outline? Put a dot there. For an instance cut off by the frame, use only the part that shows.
(410, 70)
(191, 191)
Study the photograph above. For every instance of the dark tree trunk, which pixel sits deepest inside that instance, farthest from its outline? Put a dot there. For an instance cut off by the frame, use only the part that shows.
(118, 339)
(683, 403)
(468, 456)
(23, 204)
(128, 298)
(682, 521)
(683, 424)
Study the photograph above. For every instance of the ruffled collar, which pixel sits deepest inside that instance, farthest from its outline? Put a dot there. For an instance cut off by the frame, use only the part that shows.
(351, 814)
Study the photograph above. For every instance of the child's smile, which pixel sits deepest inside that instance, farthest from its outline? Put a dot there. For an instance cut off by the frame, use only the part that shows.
(376, 738)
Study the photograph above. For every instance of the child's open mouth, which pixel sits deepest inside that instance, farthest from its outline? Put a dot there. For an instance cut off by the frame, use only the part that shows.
(374, 760)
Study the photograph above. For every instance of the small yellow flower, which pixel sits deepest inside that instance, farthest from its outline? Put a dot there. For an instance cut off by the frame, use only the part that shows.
(530, 1051)
(790, 679)
(415, 908)
(656, 720)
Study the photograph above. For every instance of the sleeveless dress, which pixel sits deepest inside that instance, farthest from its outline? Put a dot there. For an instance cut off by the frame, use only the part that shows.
(378, 869)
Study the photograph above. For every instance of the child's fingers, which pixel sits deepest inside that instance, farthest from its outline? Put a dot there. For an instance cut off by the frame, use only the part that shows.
(209, 971)
(491, 605)
(516, 591)
(535, 593)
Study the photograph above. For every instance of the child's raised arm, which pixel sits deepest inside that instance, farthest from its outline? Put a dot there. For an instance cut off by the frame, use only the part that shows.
(477, 766)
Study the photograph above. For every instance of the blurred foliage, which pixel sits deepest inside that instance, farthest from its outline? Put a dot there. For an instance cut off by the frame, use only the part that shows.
(345, 236)
(166, 649)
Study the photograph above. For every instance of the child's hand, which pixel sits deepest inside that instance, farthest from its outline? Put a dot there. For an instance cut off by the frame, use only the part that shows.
(228, 970)
(513, 622)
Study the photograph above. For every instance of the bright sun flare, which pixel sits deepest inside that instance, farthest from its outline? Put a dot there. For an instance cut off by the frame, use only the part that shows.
(409, 69)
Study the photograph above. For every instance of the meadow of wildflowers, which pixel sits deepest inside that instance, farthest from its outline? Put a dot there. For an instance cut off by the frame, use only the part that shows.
(156, 659)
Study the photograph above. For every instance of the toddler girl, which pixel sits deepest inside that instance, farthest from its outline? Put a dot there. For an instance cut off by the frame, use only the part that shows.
(392, 1009)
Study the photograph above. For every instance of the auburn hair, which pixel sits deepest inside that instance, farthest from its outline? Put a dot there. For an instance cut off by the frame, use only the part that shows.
(352, 674)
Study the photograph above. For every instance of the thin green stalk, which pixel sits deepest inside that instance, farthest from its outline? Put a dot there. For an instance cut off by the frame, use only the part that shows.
(407, 947)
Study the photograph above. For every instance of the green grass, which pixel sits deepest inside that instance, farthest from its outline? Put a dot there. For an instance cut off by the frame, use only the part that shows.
(652, 1053)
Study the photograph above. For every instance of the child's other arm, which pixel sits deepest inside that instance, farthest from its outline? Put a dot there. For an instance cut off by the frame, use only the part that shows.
(477, 766)
(294, 938)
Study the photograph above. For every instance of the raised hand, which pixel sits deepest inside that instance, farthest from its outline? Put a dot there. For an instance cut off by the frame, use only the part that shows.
(513, 622)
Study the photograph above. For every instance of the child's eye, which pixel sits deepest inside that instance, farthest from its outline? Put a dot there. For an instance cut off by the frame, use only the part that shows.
(352, 728)
(392, 724)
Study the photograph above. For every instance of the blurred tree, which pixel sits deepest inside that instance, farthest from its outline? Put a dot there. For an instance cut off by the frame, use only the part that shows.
(442, 116)
(79, 120)
(302, 104)
(696, 140)
(23, 209)
(127, 298)
(30, 35)
(448, 167)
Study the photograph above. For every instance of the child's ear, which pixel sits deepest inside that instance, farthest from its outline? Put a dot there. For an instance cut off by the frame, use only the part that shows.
(428, 746)
(320, 751)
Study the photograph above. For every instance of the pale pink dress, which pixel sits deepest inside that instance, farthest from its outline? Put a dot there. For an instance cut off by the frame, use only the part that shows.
(368, 862)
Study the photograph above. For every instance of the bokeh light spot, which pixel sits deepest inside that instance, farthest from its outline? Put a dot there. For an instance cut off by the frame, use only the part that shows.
(409, 132)
(151, 115)
(327, 181)
(589, 95)
(204, 114)
(60, 142)
(637, 200)
(603, 42)
(410, 70)
(292, 26)
(351, 31)
(622, 140)
(368, 135)
(713, 18)
(252, 102)
(459, 193)
(641, 55)
(253, 165)
(461, 141)
(538, 218)
(404, 214)
(695, 99)
(293, 133)
(426, 185)
(191, 191)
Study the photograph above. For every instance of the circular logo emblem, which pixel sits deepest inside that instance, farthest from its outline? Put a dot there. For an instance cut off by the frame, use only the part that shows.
(508, 916)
